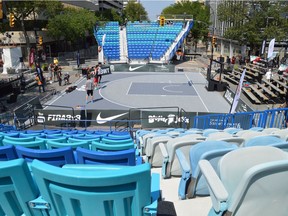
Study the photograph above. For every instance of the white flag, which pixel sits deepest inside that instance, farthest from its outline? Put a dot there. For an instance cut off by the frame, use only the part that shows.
(237, 93)
(103, 39)
(271, 48)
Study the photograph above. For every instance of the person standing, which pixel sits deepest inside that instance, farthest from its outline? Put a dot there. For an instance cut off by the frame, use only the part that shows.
(39, 83)
(41, 76)
(59, 77)
(99, 76)
(89, 87)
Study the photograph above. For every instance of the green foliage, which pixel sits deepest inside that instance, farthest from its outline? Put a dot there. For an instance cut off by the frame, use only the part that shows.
(72, 24)
(200, 15)
(135, 11)
(251, 22)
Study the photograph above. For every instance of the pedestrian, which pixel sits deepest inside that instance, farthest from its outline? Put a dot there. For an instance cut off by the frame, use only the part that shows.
(55, 71)
(96, 77)
(269, 75)
(89, 87)
(39, 83)
(99, 76)
(59, 77)
(55, 61)
(50, 69)
(285, 105)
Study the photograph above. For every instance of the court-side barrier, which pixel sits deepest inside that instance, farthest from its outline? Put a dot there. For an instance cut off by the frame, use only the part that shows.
(245, 120)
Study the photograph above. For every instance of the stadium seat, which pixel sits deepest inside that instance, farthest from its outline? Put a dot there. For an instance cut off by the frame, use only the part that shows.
(52, 144)
(98, 146)
(152, 150)
(55, 157)
(256, 186)
(17, 188)
(20, 139)
(90, 189)
(192, 182)
(7, 153)
(170, 164)
(38, 144)
(124, 157)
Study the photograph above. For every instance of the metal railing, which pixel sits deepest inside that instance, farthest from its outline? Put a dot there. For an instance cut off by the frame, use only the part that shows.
(245, 120)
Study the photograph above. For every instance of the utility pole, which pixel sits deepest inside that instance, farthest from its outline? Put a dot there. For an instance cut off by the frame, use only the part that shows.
(213, 38)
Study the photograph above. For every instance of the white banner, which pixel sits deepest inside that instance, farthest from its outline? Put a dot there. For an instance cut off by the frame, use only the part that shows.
(271, 48)
(100, 50)
(237, 93)
(263, 47)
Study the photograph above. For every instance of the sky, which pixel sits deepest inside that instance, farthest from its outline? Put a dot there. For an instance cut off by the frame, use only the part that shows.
(154, 7)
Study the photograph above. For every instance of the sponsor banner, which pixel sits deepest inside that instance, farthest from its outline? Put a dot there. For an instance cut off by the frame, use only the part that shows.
(241, 107)
(271, 48)
(144, 68)
(152, 119)
(105, 70)
(26, 111)
(86, 118)
(238, 93)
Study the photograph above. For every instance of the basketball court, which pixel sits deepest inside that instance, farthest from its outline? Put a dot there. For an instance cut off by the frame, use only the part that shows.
(127, 90)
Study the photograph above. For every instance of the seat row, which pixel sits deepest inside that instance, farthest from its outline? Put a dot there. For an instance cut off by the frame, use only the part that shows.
(68, 155)
(77, 189)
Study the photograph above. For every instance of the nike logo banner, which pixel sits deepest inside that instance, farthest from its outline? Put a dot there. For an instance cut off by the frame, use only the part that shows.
(101, 120)
(135, 68)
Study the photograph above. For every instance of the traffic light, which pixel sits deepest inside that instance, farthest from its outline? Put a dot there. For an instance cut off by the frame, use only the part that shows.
(1, 10)
(214, 40)
(11, 20)
(162, 21)
(40, 40)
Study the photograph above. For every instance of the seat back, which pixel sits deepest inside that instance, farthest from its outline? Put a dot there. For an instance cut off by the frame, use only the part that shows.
(52, 144)
(257, 185)
(7, 153)
(207, 150)
(184, 145)
(17, 188)
(37, 144)
(20, 139)
(262, 140)
(97, 146)
(109, 140)
(55, 157)
(115, 191)
(124, 157)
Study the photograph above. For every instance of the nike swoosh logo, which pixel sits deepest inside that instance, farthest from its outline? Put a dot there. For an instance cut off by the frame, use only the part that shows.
(132, 69)
(101, 120)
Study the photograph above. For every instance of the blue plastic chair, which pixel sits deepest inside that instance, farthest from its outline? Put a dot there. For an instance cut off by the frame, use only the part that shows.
(38, 144)
(7, 153)
(20, 139)
(52, 144)
(192, 182)
(262, 140)
(89, 189)
(17, 188)
(55, 157)
(124, 157)
(97, 146)
(112, 140)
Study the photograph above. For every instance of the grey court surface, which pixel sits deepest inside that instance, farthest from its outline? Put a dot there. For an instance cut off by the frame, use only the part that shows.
(126, 90)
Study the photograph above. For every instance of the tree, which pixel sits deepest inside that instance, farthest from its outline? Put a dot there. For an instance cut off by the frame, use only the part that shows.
(252, 22)
(135, 11)
(200, 15)
(72, 24)
(24, 10)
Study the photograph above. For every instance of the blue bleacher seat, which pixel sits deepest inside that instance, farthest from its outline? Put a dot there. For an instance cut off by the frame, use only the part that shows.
(55, 157)
(124, 157)
(7, 153)
(90, 189)
(17, 188)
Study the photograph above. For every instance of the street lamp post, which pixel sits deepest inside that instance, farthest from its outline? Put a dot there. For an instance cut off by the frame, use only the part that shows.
(212, 47)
